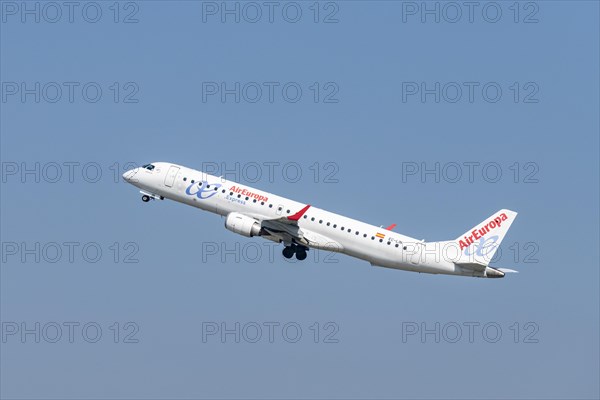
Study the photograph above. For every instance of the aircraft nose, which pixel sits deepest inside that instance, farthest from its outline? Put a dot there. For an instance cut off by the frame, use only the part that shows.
(128, 176)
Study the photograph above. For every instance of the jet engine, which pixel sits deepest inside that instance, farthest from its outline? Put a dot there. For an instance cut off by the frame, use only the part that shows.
(242, 224)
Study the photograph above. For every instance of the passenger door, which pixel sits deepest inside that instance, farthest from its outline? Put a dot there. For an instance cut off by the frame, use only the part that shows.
(171, 175)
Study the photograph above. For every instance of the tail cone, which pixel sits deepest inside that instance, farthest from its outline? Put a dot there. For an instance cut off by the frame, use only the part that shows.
(493, 273)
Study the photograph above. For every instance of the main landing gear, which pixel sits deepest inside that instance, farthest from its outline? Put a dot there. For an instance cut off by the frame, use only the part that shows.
(300, 251)
(145, 198)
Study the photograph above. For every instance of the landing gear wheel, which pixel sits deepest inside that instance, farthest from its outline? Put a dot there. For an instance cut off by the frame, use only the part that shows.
(301, 254)
(145, 198)
(288, 252)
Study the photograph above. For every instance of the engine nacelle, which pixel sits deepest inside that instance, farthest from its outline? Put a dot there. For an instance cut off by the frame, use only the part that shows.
(242, 224)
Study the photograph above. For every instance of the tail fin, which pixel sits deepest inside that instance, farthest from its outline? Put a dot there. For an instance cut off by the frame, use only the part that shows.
(479, 244)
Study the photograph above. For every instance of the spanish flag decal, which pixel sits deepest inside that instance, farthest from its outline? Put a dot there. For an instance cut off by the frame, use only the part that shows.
(380, 235)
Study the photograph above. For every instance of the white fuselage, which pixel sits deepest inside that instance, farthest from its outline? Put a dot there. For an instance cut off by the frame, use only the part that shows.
(374, 244)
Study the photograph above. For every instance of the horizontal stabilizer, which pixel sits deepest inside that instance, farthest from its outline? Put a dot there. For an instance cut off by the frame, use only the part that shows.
(472, 265)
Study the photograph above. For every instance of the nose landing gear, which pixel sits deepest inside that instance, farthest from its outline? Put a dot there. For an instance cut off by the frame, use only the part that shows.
(300, 251)
(146, 196)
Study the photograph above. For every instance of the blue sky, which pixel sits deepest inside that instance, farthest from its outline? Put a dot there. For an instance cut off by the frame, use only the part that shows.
(384, 89)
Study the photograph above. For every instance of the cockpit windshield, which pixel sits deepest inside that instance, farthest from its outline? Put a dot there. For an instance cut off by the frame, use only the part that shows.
(149, 167)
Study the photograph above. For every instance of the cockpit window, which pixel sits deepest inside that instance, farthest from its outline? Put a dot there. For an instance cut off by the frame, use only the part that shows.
(149, 167)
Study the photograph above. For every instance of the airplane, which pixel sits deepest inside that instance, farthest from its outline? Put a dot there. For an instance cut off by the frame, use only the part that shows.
(300, 227)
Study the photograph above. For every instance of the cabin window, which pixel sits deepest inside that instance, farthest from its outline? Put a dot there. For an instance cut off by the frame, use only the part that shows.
(262, 203)
(223, 191)
(320, 221)
(357, 233)
(254, 201)
(312, 219)
(184, 179)
(372, 237)
(329, 223)
(192, 181)
(349, 230)
(335, 225)
(404, 248)
(247, 198)
(306, 216)
(397, 245)
(365, 235)
(380, 240)
(288, 211)
(270, 205)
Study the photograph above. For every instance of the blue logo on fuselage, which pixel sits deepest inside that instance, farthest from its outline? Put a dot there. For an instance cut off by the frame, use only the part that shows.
(204, 190)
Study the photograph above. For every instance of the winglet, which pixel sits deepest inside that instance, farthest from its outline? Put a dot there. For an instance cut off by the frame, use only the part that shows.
(299, 214)
(392, 226)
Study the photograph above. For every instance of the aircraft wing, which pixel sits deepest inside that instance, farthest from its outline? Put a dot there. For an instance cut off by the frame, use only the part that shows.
(292, 219)
(286, 229)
